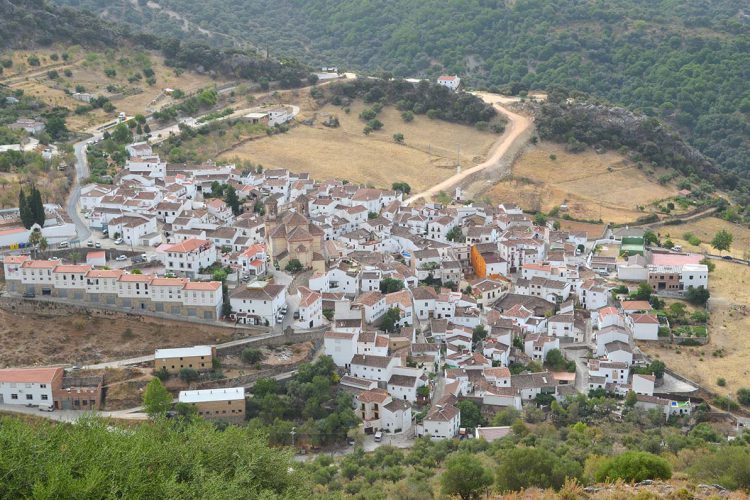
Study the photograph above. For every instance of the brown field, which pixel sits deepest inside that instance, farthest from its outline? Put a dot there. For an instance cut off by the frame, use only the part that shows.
(88, 70)
(727, 354)
(38, 340)
(427, 157)
(594, 186)
(705, 229)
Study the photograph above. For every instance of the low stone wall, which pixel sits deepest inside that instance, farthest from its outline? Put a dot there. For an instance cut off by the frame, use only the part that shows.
(265, 373)
(60, 307)
(689, 340)
(286, 338)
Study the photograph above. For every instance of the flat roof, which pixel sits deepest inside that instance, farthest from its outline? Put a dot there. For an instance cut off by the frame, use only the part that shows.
(184, 352)
(209, 395)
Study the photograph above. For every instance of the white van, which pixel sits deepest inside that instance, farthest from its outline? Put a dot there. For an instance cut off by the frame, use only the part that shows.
(64, 244)
(378, 437)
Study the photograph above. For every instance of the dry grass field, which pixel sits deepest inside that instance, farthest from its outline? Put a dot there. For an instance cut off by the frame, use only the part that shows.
(727, 355)
(594, 186)
(427, 156)
(38, 340)
(705, 229)
(87, 70)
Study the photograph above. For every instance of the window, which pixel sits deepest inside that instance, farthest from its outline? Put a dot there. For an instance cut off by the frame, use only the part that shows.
(44, 397)
(42, 386)
(14, 396)
(29, 397)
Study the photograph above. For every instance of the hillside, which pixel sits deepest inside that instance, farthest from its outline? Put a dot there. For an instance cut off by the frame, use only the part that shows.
(33, 24)
(683, 61)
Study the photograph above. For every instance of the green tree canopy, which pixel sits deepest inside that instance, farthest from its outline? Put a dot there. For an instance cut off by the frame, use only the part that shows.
(156, 399)
(634, 466)
(722, 240)
(465, 476)
(524, 467)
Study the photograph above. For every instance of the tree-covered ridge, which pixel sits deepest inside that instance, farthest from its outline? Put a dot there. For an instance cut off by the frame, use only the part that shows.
(34, 23)
(687, 61)
(421, 98)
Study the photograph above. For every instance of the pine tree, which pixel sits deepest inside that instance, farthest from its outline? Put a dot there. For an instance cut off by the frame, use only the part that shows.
(24, 210)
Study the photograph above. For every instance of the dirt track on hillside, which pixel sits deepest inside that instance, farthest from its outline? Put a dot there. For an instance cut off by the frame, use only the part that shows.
(517, 126)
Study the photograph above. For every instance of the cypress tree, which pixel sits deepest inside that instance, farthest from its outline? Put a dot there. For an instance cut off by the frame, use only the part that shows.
(24, 210)
(36, 206)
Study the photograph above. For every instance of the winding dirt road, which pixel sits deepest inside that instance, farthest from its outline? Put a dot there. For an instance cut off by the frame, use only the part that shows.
(517, 125)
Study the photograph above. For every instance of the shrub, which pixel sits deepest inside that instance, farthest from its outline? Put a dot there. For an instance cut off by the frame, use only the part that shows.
(189, 375)
(162, 373)
(293, 266)
(528, 467)
(634, 466)
(252, 356)
(743, 396)
(725, 403)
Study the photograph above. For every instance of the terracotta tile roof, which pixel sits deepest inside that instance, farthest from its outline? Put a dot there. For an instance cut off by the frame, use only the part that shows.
(188, 246)
(373, 396)
(71, 268)
(203, 285)
(30, 375)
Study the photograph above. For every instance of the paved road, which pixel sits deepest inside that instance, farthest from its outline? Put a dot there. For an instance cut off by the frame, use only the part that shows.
(150, 357)
(517, 125)
(82, 171)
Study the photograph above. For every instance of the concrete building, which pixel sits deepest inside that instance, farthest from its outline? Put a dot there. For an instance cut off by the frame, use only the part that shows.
(341, 346)
(198, 358)
(217, 404)
(29, 386)
(441, 422)
(258, 303)
(190, 256)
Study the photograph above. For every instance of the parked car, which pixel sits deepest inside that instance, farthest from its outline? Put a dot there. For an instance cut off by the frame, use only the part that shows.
(98, 245)
(727, 257)
(120, 258)
(295, 315)
(136, 260)
(279, 319)
(54, 257)
(378, 437)
(118, 241)
(29, 294)
(46, 408)
(63, 244)
(90, 244)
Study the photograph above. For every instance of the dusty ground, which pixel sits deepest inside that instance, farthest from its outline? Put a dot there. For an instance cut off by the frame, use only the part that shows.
(427, 156)
(594, 186)
(727, 354)
(705, 229)
(27, 340)
(88, 70)
(592, 230)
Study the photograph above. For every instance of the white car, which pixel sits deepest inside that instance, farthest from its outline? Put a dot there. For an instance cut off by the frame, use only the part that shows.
(121, 258)
(118, 241)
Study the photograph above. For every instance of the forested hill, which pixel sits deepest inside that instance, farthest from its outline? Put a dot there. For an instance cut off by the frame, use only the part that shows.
(28, 24)
(687, 61)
